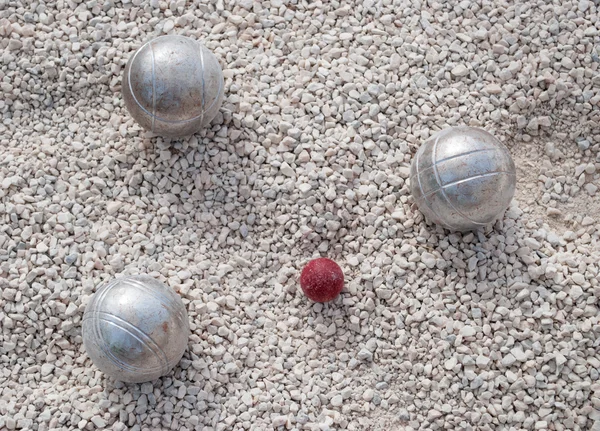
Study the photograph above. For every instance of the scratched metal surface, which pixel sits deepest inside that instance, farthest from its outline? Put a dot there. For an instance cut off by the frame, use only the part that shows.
(135, 329)
(173, 86)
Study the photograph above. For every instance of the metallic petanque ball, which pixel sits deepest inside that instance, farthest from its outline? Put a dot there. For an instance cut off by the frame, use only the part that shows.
(462, 178)
(135, 329)
(173, 86)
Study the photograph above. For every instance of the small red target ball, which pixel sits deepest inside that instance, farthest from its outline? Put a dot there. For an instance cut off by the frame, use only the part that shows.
(322, 280)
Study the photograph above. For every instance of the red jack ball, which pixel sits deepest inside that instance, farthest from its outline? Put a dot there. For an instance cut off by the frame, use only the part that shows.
(322, 280)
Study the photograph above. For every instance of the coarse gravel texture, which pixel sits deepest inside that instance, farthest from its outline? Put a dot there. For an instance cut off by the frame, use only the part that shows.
(326, 104)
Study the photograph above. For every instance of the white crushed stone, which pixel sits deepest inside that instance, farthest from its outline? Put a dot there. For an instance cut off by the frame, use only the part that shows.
(326, 105)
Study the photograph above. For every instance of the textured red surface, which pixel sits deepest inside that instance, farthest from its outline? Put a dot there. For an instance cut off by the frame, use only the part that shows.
(322, 280)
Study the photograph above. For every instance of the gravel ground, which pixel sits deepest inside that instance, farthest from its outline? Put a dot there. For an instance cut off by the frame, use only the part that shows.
(326, 104)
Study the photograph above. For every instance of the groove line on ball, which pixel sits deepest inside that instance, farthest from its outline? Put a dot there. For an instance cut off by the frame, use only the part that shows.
(440, 220)
(153, 85)
(456, 156)
(217, 96)
(464, 180)
(101, 348)
(137, 102)
(203, 82)
(468, 153)
(115, 359)
(442, 190)
(136, 333)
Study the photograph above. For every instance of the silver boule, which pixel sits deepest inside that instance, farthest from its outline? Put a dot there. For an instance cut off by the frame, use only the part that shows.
(135, 329)
(462, 178)
(173, 86)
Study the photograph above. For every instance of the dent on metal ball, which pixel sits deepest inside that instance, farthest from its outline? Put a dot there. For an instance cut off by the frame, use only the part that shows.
(135, 329)
(462, 178)
(173, 86)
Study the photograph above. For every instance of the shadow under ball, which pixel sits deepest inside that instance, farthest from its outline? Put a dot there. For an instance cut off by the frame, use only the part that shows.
(173, 86)
(135, 329)
(462, 178)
